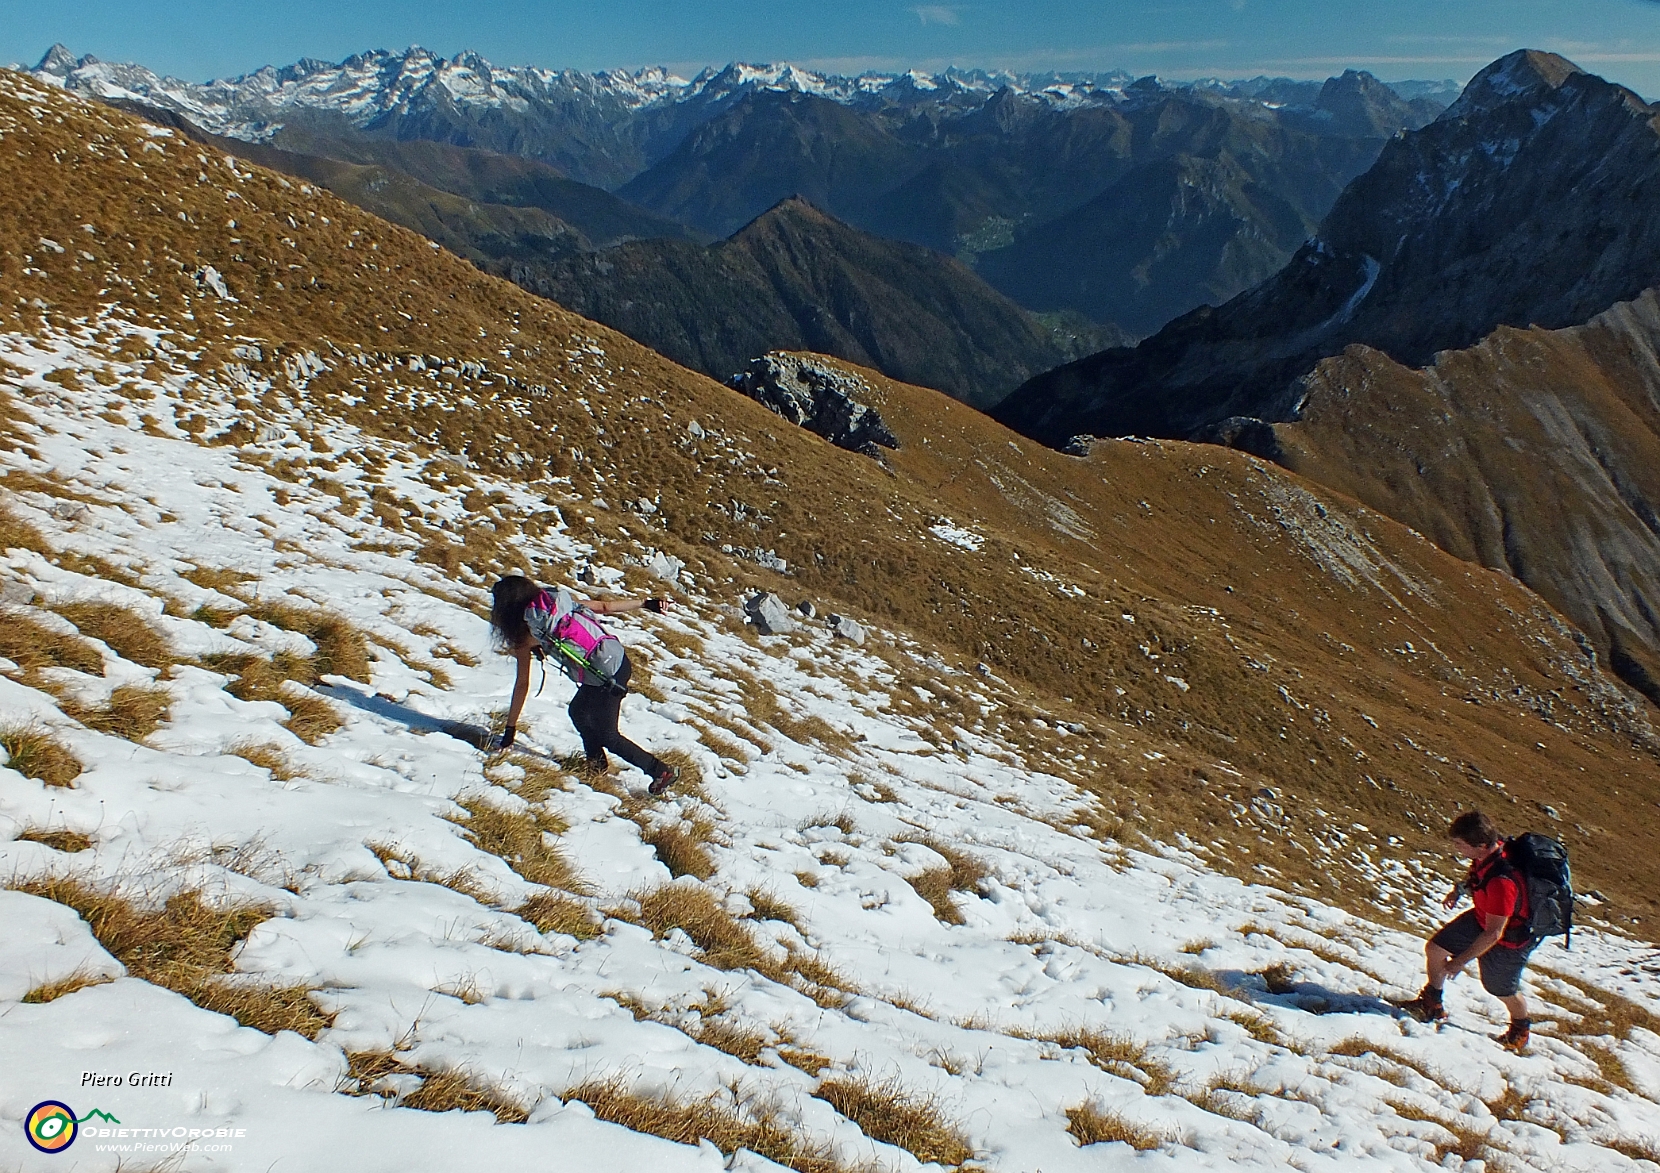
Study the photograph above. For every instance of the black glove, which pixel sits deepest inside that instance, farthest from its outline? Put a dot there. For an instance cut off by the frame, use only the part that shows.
(657, 605)
(508, 733)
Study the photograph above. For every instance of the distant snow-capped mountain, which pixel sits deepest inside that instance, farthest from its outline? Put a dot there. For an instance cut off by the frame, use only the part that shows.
(368, 87)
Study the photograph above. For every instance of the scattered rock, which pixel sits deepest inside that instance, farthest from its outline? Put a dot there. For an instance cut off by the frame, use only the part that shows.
(844, 628)
(1078, 445)
(664, 566)
(587, 575)
(16, 594)
(818, 397)
(1550, 811)
(806, 608)
(770, 614)
(1269, 793)
(70, 511)
(210, 279)
(983, 668)
(695, 430)
(645, 506)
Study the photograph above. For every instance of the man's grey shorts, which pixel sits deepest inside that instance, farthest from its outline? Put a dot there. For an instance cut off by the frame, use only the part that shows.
(1501, 966)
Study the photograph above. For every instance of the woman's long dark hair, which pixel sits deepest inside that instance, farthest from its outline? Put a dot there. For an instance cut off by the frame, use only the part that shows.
(509, 598)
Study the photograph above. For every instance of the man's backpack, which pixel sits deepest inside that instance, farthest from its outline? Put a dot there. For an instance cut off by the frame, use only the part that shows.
(1542, 863)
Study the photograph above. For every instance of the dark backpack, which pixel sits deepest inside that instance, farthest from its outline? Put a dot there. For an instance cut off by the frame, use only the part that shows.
(1542, 863)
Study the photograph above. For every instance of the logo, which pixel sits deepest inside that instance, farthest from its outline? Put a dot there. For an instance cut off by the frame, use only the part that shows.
(51, 1125)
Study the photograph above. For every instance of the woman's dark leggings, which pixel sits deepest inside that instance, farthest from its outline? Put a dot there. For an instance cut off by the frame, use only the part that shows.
(594, 711)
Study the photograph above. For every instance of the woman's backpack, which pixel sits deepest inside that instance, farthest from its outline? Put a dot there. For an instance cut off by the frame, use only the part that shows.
(573, 637)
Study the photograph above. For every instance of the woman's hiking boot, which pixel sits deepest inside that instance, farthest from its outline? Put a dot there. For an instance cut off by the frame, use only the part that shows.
(665, 777)
(1515, 1039)
(1427, 1006)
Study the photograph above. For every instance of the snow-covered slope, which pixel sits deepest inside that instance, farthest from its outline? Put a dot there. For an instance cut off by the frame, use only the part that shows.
(873, 929)
(1246, 1028)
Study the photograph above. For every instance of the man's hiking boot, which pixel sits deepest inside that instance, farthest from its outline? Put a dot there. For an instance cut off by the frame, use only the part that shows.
(1427, 1006)
(1515, 1039)
(663, 779)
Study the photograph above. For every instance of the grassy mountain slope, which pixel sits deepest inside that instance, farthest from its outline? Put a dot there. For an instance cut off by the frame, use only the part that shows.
(260, 454)
(797, 279)
(1362, 674)
(1536, 452)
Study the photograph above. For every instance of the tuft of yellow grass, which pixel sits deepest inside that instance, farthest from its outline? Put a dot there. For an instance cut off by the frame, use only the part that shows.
(33, 646)
(284, 678)
(1093, 1124)
(131, 634)
(65, 841)
(554, 912)
(888, 1111)
(679, 844)
(267, 755)
(33, 752)
(185, 945)
(453, 1090)
(521, 841)
(962, 873)
(693, 909)
(53, 990)
(133, 711)
(729, 1122)
(342, 650)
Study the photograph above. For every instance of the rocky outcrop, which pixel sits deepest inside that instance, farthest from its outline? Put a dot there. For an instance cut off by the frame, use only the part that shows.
(819, 397)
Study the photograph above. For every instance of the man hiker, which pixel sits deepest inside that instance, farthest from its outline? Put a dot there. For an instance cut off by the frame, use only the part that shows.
(528, 621)
(1494, 934)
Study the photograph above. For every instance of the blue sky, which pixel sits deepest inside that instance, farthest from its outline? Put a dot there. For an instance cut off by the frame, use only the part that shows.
(198, 39)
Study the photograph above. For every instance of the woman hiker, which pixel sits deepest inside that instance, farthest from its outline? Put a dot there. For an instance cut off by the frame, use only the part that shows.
(528, 621)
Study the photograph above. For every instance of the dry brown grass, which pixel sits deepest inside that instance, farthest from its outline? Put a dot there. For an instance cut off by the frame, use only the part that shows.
(455, 1090)
(33, 646)
(65, 841)
(214, 578)
(267, 755)
(521, 841)
(767, 906)
(962, 873)
(53, 990)
(727, 1121)
(33, 752)
(186, 946)
(131, 634)
(133, 711)
(553, 912)
(342, 650)
(285, 679)
(888, 1111)
(693, 909)
(1117, 1054)
(1093, 1124)
(17, 534)
(680, 846)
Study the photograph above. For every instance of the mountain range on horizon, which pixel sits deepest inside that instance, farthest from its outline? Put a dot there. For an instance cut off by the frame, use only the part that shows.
(1175, 195)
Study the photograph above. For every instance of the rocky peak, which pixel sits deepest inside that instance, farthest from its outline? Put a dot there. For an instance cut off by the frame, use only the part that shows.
(1524, 75)
(57, 62)
(1360, 104)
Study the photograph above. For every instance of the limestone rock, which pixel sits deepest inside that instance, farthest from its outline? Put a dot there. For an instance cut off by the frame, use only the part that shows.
(770, 614)
(844, 628)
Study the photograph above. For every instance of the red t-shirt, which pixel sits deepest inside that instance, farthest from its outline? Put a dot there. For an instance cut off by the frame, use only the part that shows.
(1499, 896)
